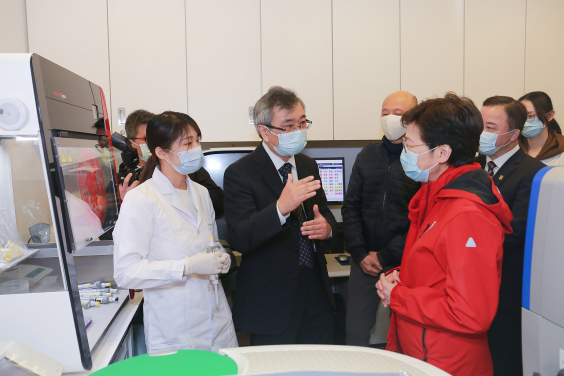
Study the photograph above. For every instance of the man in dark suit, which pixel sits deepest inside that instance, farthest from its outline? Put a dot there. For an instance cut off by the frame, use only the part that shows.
(512, 171)
(277, 214)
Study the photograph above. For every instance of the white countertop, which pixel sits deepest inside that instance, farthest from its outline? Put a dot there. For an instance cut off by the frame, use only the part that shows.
(333, 267)
(113, 337)
(101, 317)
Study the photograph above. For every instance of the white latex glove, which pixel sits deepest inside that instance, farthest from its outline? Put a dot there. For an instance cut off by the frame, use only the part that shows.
(203, 263)
(225, 262)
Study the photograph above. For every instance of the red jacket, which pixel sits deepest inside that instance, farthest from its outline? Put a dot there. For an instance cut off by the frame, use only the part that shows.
(450, 272)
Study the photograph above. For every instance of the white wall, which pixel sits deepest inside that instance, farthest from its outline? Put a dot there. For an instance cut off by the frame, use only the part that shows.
(544, 62)
(74, 35)
(215, 58)
(13, 27)
(494, 49)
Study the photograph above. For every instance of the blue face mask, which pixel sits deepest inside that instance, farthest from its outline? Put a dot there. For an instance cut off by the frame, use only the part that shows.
(145, 152)
(488, 140)
(532, 128)
(190, 161)
(290, 143)
(409, 163)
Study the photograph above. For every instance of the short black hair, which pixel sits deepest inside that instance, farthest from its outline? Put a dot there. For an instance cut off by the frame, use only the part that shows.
(516, 111)
(99, 124)
(453, 121)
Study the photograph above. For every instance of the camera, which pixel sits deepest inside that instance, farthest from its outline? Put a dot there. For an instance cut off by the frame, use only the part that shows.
(130, 159)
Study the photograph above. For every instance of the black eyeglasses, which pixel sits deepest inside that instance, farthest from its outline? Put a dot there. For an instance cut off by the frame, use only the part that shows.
(305, 124)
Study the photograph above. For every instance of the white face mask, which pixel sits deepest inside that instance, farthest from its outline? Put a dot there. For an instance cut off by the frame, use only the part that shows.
(391, 126)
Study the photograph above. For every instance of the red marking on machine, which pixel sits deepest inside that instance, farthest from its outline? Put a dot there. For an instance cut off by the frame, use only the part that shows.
(91, 183)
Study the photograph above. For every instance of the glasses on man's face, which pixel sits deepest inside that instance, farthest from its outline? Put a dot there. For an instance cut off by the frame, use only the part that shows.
(305, 124)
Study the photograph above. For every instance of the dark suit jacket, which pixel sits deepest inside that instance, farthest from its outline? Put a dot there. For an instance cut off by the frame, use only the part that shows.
(514, 180)
(203, 177)
(267, 277)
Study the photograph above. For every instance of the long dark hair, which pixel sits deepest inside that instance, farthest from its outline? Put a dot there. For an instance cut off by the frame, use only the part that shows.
(543, 105)
(162, 131)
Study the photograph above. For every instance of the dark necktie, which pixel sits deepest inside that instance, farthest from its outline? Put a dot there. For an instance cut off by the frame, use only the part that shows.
(306, 246)
(491, 166)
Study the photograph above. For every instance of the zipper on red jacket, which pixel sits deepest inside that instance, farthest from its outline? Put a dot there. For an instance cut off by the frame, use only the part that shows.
(424, 345)
(424, 231)
(427, 200)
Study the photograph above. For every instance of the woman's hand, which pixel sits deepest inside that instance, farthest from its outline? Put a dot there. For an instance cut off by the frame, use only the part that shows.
(205, 263)
(385, 286)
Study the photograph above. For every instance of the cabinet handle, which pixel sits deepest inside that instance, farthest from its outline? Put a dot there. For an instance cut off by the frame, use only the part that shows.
(251, 117)
(121, 117)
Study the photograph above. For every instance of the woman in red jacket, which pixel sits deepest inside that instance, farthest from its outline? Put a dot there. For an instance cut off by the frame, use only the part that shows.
(444, 296)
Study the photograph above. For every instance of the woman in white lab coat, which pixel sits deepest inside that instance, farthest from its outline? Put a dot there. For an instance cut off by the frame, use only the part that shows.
(160, 239)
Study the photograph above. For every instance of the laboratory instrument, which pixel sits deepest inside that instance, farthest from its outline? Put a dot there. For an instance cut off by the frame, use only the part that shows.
(106, 299)
(94, 285)
(326, 359)
(95, 293)
(214, 278)
(542, 309)
(86, 304)
(59, 186)
(106, 290)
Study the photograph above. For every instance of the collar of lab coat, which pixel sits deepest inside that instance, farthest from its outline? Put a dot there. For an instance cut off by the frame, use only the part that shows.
(168, 191)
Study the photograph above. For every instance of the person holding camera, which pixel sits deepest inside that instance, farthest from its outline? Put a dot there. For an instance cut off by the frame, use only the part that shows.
(136, 131)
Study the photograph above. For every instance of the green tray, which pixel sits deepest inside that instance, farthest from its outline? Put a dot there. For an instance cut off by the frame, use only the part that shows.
(183, 363)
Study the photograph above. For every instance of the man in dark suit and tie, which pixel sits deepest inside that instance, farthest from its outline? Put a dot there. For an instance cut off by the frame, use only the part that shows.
(512, 171)
(277, 215)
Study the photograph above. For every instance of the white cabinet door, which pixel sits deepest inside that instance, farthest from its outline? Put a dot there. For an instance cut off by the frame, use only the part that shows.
(494, 57)
(545, 52)
(297, 54)
(366, 64)
(13, 27)
(147, 56)
(432, 47)
(223, 59)
(74, 35)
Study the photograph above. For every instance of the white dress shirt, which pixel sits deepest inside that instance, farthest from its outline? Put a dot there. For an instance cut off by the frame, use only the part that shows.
(278, 163)
(499, 161)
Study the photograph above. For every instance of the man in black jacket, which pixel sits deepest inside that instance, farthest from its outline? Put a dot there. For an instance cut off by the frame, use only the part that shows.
(375, 220)
(135, 131)
(277, 214)
(512, 171)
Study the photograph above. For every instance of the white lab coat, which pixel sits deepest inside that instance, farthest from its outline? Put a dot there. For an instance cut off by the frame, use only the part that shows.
(153, 235)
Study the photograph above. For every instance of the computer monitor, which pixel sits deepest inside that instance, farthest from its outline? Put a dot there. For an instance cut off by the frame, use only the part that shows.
(332, 173)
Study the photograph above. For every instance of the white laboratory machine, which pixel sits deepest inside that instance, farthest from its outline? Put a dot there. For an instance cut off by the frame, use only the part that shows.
(543, 277)
(57, 196)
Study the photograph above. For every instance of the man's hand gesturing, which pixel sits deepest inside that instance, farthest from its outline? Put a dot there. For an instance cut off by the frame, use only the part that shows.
(296, 193)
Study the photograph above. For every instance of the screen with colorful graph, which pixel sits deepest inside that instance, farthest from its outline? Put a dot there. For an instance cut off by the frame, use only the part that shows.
(332, 173)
